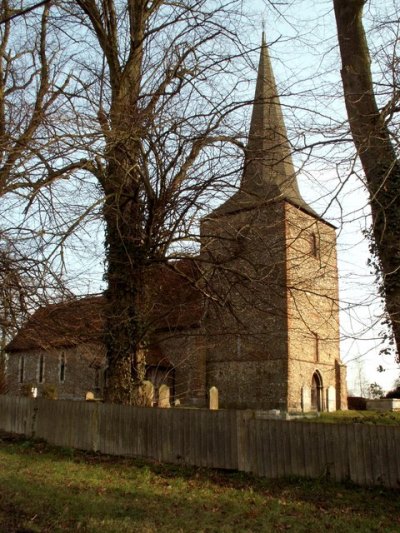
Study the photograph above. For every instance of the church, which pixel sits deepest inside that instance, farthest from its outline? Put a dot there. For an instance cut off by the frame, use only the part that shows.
(255, 314)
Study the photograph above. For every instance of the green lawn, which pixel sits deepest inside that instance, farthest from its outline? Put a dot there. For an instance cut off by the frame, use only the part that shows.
(45, 489)
(361, 417)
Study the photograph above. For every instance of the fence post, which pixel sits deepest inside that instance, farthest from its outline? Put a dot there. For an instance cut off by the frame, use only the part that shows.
(242, 435)
(95, 426)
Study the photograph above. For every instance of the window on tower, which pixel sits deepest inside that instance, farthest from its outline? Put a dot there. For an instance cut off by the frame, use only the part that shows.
(314, 245)
(316, 347)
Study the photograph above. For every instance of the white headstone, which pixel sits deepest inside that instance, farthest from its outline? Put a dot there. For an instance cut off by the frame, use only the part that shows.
(148, 393)
(331, 398)
(163, 396)
(214, 398)
(306, 398)
(89, 396)
(177, 403)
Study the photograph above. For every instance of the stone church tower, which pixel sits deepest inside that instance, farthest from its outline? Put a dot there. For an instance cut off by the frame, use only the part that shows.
(273, 320)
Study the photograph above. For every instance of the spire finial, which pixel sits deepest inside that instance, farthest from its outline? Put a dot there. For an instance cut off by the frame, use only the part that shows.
(263, 42)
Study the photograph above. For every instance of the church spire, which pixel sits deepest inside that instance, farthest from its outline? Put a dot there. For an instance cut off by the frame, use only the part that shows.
(269, 173)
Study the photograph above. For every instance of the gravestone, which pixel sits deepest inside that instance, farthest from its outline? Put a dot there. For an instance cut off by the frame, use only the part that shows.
(148, 393)
(306, 398)
(214, 398)
(331, 399)
(163, 396)
(89, 396)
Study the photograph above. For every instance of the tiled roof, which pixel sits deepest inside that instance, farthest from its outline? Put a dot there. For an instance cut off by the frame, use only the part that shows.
(175, 303)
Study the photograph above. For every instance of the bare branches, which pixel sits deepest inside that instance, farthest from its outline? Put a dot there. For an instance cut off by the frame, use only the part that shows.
(21, 12)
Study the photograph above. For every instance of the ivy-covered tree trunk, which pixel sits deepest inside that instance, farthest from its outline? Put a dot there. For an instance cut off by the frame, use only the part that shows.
(375, 150)
(124, 215)
(126, 258)
(124, 295)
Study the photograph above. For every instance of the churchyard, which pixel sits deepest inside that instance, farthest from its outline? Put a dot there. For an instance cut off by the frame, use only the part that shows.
(49, 489)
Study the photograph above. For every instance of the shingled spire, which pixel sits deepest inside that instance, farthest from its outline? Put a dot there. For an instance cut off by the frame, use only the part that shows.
(269, 173)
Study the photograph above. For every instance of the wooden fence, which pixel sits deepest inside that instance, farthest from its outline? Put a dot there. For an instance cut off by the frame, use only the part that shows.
(239, 440)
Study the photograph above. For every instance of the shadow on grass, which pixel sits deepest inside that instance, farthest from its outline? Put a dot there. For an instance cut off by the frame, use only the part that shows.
(52, 489)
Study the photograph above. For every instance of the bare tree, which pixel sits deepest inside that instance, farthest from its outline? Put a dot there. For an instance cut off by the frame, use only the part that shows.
(33, 154)
(145, 114)
(152, 108)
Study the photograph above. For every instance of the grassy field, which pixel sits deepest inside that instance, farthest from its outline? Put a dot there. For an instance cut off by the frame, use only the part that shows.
(45, 489)
(360, 417)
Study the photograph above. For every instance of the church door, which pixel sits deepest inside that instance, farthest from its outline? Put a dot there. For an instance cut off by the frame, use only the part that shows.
(316, 392)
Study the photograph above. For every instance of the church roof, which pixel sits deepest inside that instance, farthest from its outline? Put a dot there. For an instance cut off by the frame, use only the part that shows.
(269, 174)
(176, 304)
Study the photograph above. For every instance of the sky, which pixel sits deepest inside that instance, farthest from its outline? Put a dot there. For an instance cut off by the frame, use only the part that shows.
(305, 59)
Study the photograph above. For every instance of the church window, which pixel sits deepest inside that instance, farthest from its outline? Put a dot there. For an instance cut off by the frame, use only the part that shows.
(316, 347)
(62, 367)
(41, 369)
(21, 368)
(314, 243)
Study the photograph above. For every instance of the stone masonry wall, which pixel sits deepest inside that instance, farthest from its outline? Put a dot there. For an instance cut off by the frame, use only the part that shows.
(186, 352)
(79, 376)
(313, 312)
(246, 321)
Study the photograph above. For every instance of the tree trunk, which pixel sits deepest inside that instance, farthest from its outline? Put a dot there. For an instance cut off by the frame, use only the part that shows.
(123, 331)
(124, 216)
(126, 257)
(372, 140)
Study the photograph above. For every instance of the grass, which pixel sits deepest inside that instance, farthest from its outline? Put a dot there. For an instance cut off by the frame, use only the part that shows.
(361, 417)
(47, 489)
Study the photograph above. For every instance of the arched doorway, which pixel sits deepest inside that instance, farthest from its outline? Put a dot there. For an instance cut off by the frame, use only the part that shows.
(316, 392)
(161, 375)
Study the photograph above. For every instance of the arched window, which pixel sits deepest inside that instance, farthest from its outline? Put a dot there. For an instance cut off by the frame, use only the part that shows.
(314, 245)
(41, 369)
(21, 376)
(62, 367)
(316, 346)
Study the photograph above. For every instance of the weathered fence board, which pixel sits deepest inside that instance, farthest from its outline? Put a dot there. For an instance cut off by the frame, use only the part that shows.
(66, 423)
(240, 440)
(17, 415)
